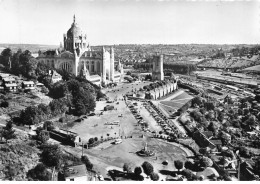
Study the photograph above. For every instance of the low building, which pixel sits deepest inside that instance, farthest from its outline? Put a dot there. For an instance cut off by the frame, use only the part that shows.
(75, 173)
(28, 85)
(10, 87)
(8, 80)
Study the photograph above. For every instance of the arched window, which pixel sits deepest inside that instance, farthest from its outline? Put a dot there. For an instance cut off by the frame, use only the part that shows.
(66, 66)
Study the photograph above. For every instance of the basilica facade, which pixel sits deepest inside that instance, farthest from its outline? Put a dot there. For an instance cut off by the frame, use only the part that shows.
(78, 58)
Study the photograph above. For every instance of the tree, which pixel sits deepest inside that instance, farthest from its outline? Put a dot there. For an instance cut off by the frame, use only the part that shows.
(213, 127)
(189, 165)
(43, 136)
(48, 125)
(6, 54)
(154, 176)
(209, 106)
(58, 106)
(8, 132)
(147, 168)
(197, 100)
(12, 171)
(188, 174)
(138, 171)
(51, 155)
(206, 162)
(91, 141)
(59, 90)
(30, 116)
(45, 90)
(178, 165)
(5, 104)
(39, 172)
(127, 167)
(87, 162)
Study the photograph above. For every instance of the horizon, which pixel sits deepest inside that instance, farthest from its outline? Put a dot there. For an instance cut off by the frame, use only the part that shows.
(115, 22)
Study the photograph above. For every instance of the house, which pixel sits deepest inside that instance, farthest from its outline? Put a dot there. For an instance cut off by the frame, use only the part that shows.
(4, 75)
(38, 84)
(10, 87)
(28, 85)
(2, 88)
(8, 80)
(75, 173)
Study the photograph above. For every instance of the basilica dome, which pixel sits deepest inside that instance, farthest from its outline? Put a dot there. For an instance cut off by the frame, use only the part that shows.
(75, 30)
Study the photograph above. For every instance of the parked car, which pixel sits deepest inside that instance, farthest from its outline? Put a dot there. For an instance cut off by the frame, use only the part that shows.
(92, 114)
(118, 141)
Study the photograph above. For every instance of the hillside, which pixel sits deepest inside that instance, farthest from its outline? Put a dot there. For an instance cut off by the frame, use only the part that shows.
(234, 62)
(17, 157)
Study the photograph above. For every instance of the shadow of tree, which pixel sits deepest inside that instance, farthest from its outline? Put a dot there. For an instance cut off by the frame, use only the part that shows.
(116, 175)
(167, 172)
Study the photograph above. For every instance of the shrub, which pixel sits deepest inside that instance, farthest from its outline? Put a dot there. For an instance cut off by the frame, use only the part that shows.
(147, 167)
(127, 167)
(154, 176)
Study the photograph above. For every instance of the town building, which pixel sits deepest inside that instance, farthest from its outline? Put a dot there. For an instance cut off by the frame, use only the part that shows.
(78, 58)
(28, 85)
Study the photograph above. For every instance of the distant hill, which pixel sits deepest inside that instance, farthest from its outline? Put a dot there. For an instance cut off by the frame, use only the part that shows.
(31, 47)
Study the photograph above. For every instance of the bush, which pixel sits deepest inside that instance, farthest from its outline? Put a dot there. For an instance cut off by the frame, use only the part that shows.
(127, 167)
(148, 168)
(154, 176)
(178, 164)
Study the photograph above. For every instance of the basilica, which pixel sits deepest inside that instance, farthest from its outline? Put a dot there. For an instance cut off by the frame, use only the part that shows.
(77, 57)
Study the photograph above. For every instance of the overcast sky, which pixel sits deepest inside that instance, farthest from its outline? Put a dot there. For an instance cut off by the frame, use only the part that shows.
(131, 22)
